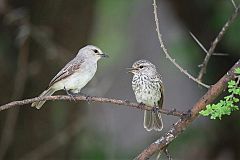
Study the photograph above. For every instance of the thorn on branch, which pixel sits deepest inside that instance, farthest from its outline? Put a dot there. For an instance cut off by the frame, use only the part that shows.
(220, 54)
(127, 101)
(186, 115)
(171, 111)
(167, 154)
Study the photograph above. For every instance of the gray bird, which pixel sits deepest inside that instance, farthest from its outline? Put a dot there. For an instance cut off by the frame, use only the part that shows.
(76, 74)
(148, 88)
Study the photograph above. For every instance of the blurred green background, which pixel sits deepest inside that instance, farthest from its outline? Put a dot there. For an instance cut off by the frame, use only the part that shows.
(37, 38)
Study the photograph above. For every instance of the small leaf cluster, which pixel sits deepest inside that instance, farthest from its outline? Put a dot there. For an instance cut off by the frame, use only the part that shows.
(229, 102)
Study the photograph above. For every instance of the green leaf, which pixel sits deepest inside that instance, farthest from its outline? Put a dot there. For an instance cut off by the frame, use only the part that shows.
(227, 104)
(237, 91)
(231, 84)
(237, 70)
(230, 90)
(235, 99)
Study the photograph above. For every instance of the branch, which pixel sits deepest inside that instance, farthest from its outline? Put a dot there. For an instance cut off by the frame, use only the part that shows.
(234, 4)
(216, 41)
(162, 45)
(182, 124)
(90, 99)
(204, 49)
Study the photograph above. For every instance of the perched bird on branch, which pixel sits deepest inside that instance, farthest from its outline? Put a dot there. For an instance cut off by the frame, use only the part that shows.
(148, 88)
(76, 74)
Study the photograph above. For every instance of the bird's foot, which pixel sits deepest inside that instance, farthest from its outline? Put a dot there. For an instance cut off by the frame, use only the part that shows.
(155, 109)
(87, 97)
(72, 95)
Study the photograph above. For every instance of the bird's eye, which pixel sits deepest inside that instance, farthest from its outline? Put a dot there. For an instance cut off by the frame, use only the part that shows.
(141, 67)
(95, 51)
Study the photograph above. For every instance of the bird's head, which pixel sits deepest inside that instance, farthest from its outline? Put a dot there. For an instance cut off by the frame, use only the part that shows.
(92, 52)
(142, 67)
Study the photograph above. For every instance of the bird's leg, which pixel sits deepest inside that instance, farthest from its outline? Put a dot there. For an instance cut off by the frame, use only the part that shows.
(66, 91)
(70, 94)
(155, 108)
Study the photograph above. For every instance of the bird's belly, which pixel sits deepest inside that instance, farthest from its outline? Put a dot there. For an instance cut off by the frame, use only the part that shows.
(147, 95)
(76, 81)
(148, 99)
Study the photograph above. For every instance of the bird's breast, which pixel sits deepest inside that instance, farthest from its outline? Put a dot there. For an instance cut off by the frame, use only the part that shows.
(146, 90)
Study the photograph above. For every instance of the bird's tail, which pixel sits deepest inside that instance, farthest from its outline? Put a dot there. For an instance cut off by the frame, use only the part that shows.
(152, 120)
(47, 92)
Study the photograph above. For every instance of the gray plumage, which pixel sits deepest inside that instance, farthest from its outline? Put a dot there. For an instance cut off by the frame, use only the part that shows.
(148, 89)
(76, 74)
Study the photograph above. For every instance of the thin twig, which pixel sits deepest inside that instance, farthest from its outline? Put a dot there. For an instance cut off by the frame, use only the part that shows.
(216, 41)
(182, 124)
(167, 154)
(203, 48)
(220, 54)
(166, 52)
(234, 4)
(198, 42)
(89, 99)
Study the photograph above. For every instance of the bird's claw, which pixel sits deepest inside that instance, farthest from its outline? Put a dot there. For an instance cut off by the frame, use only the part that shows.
(155, 109)
(88, 99)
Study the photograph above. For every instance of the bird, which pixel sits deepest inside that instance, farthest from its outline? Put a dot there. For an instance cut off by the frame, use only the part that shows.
(75, 74)
(148, 89)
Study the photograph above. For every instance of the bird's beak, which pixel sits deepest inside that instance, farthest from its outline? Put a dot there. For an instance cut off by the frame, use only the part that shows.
(131, 70)
(104, 55)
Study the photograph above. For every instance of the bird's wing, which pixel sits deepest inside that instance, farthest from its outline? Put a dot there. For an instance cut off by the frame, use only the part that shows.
(160, 102)
(68, 70)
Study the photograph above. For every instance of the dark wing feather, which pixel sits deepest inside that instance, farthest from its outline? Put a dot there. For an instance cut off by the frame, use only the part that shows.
(68, 70)
(160, 102)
